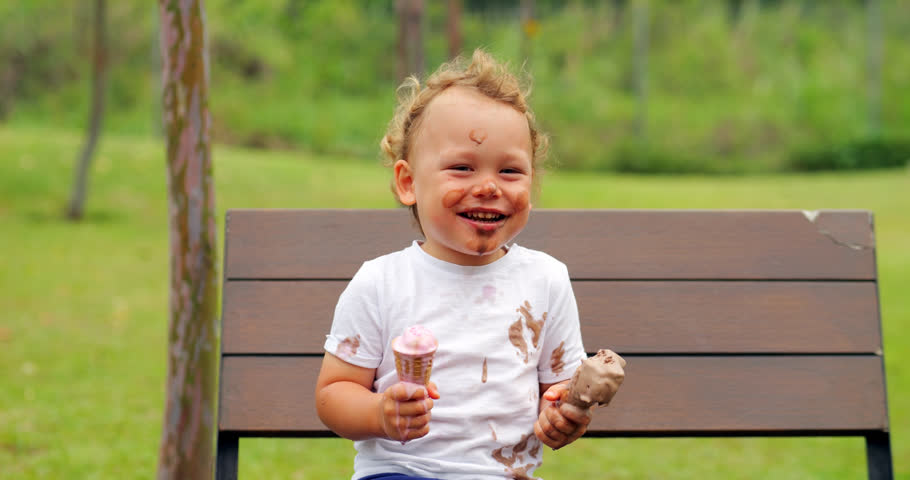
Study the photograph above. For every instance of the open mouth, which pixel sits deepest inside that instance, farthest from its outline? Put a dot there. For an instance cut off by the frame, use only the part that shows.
(483, 217)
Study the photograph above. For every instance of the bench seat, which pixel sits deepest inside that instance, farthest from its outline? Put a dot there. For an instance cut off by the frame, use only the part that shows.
(734, 323)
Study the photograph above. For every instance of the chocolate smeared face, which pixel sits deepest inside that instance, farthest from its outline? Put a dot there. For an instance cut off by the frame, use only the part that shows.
(470, 174)
(478, 135)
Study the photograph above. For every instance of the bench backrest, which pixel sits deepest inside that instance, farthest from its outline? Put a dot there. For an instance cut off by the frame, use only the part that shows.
(733, 322)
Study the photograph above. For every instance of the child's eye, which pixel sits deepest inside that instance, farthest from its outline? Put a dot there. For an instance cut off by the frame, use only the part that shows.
(513, 171)
(460, 168)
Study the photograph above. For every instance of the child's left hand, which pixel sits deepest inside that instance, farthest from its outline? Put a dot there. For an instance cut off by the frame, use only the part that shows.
(560, 424)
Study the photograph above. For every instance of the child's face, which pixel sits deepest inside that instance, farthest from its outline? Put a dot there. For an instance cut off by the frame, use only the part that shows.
(469, 173)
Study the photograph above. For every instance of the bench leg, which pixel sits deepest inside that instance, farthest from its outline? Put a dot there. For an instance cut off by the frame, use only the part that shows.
(226, 461)
(878, 456)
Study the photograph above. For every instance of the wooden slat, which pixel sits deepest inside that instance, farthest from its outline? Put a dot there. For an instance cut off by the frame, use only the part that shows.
(631, 317)
(750, 393)
(730, 317)
(735, 394)
(278, 317)
(610, 244)
(311, 243)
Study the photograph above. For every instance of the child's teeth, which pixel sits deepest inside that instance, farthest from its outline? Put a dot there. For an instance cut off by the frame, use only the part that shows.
(483, 216)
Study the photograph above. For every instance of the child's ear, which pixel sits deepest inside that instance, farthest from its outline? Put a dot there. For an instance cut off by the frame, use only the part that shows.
(404, 182)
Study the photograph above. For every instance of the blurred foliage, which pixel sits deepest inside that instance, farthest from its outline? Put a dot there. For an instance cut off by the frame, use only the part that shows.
(738, 86)
(643, 157)
(867, 153)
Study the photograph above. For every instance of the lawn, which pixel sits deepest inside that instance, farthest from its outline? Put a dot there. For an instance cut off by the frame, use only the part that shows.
(83, 309)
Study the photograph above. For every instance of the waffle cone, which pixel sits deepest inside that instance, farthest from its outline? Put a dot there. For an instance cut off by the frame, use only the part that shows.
(414, 368)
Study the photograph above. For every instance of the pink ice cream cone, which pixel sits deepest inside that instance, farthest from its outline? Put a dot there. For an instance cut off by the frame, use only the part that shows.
(414, 351)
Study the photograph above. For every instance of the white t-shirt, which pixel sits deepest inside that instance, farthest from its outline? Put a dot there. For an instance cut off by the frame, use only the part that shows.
(503, 329)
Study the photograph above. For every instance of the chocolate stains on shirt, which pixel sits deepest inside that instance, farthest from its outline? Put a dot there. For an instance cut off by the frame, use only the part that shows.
(534, 450)
(556, 363)
(535, 325)
(519, 472)
(517, 338)
(516, 330)
(483, 377)
(348, 347)
(488, 295)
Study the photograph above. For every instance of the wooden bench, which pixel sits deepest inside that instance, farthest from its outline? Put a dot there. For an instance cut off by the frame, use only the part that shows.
(735, 323)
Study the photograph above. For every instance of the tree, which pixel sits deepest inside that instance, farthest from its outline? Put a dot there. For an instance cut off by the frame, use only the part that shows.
(642, 34)
(619, 10)
(874, 67)
(75, 208)
(187, 439)
(528, 28)
(410, 38)
(734, 11)
(454, 28)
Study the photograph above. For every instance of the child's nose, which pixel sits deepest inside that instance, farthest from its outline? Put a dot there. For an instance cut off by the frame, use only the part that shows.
(488, 189)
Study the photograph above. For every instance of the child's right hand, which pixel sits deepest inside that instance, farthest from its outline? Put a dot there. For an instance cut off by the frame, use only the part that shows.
(404, 411)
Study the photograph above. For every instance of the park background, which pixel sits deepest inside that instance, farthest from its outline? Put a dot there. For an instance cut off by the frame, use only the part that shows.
(658, 104)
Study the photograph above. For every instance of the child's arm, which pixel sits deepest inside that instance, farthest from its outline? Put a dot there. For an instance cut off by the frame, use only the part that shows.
(348, 406)
(559, 424)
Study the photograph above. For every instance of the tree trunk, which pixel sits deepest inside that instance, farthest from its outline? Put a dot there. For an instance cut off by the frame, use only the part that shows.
(415, 37)
(401, 66)
(528, 27)
(410, 38)
(619, 10)
(454, 27)
(874, 67)
(642, 34)
(187, 438)
(75, 208)
(734, 11)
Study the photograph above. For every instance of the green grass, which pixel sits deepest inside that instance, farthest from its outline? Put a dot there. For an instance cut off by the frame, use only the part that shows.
(83, 313)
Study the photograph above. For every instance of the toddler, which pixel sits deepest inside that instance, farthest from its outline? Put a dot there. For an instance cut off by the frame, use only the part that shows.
(464, 152)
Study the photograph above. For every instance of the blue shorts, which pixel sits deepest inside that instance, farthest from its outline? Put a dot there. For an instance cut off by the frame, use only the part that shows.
(394, 476)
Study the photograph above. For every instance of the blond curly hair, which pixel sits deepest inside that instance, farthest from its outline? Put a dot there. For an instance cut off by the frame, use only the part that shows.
(483, 73)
